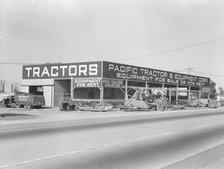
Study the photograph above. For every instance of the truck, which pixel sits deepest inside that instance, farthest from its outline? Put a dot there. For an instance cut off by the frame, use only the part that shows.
(26, 100)
(9, 101)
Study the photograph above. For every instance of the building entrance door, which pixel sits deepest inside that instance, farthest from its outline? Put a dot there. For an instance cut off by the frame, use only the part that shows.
(60, 86)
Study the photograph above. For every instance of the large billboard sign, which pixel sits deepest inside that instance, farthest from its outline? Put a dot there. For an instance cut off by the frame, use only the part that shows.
(55, 71)
(121, 71)
(110, 71)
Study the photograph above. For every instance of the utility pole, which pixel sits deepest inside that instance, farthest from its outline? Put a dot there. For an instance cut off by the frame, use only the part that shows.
(189, 70)
(2, 86)
(189, 89)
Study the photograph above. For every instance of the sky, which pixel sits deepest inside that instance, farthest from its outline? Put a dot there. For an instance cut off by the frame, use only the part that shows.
(170, 35)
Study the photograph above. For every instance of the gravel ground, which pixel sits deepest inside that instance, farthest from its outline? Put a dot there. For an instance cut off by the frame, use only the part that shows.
(21, 115)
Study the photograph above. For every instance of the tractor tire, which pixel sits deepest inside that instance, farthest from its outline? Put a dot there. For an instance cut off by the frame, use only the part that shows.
(17, 105)
(13, 105)
(27, 106)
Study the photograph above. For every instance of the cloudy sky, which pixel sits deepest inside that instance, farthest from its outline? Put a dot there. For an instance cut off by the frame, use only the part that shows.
(163, 34)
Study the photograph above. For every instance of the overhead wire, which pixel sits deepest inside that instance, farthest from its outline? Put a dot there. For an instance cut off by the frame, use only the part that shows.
(152, 54)
(11, 63)
(175, 49)
(208, 74)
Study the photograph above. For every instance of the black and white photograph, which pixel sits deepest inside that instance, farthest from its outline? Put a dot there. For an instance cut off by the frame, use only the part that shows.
(111, 84)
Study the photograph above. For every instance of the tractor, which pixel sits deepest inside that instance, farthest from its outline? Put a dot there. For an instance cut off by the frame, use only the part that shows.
(143, 101)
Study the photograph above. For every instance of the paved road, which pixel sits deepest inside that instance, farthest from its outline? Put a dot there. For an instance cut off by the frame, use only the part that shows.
(28, 129)
(157, 142)
(210, 159)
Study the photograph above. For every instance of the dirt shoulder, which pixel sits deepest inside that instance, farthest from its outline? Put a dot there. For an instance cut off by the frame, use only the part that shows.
(20, 115)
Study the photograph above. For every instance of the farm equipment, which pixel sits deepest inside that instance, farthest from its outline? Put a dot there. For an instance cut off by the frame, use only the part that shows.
(212, 104)
(96, 107)
(194, 103)
(67, 104)
(140, 101)
(26, 100)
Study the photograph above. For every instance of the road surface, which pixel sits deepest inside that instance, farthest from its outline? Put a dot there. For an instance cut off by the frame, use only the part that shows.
(138, 142)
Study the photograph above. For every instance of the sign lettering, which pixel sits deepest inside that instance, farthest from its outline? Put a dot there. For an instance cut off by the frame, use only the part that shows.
(120, 71)
(78, 70)
(113, 83)
(87, 82)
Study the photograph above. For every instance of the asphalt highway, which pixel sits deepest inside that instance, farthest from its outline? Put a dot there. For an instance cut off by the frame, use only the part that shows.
(29, 129)
(154, 141)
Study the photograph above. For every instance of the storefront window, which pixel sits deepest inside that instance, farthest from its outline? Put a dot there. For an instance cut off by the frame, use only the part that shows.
(194, 95)
(204, 95)
(113, 93)
(86, 93)
(37, 90)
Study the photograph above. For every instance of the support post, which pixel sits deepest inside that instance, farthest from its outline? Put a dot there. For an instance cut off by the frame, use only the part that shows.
(126, 89)
(3, 86)
(170, 95)
(101, 92)
(199, 93)
(209, 95)
(71, 88)
(162, 89)
(189, 93)
(177, 95)
(146, 86)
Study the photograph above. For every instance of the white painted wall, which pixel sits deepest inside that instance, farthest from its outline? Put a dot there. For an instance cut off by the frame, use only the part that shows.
(25, 89)
(48, 88)
(37, 82)
(48, 95)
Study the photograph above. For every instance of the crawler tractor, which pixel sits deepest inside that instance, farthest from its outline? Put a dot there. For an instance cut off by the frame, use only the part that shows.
(144, 101)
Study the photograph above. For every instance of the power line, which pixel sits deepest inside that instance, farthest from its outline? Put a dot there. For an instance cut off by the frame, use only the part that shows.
(157, 53)
(8, 63)
(10, 82)
(176, 49)
(208, 74)
(17, 63)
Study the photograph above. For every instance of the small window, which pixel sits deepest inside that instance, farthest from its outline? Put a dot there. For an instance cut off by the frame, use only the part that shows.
(137, 84)
(36, 90)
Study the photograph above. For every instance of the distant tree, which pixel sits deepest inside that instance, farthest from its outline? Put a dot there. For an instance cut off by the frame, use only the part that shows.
(221, 91)
(213, 94)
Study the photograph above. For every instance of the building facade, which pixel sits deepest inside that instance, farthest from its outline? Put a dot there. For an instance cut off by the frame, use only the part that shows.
(103, 81)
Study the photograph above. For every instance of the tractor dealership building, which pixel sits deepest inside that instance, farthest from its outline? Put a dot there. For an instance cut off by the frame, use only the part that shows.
(102, 81)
